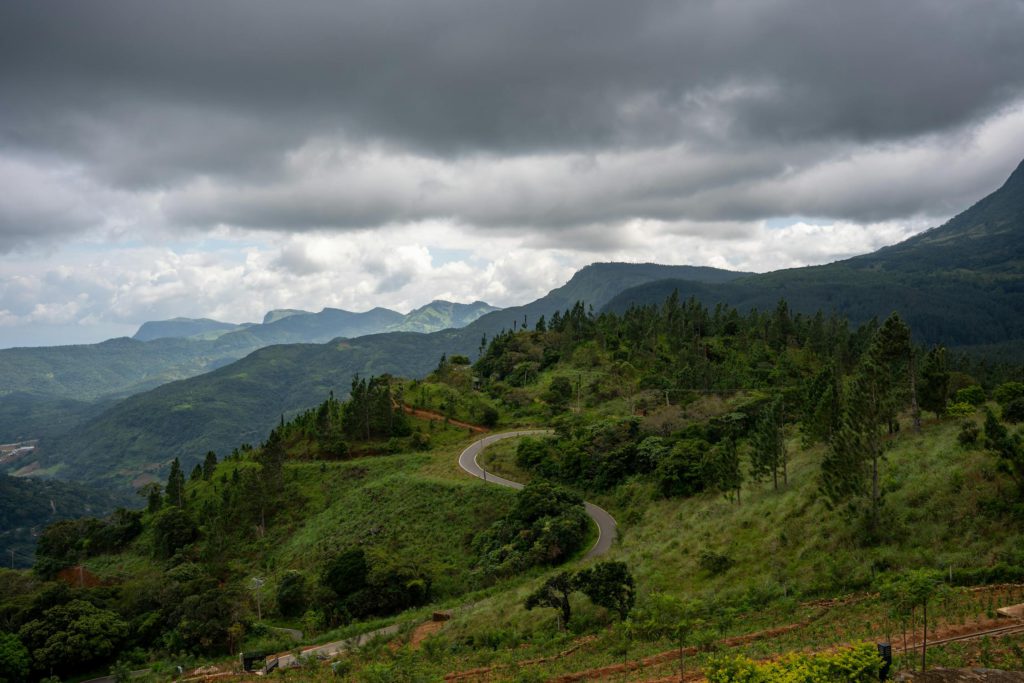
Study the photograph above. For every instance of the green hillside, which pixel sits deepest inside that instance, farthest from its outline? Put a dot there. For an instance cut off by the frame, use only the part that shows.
(735, 449)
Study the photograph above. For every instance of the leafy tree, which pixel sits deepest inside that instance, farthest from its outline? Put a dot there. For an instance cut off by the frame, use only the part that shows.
(668, 617)
(910, 590)
(609, 585)
(345, 573)
(554, 593)
(559, 394)
(73, 637)
(1013, 411)
(682, 471)
(1007, 392)
(173, 528)
(176, 485)
(935, 381)
(14, 659)
(291, 594)
(973, 395)
(1009, 448)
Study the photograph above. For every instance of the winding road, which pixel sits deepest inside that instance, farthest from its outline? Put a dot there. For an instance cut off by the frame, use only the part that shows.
(606, 528)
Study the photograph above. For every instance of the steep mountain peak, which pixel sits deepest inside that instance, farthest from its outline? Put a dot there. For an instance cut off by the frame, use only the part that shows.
(281, 313)
(987, 237)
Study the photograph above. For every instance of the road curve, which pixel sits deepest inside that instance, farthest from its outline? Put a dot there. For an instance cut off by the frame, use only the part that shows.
(606, 528)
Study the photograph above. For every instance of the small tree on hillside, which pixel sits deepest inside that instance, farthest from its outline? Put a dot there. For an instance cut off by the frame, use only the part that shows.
(768, 445)
(609, 585)
(910, 590)
(554, 593)
(668, 617)
(176, 484)
(934, 393)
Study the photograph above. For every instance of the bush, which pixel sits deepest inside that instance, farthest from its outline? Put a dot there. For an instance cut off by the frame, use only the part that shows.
(973, 395)
(715, 563)
(969, 434)
(860, 663)
(291, 594)
(959, 411)
(1013, 411)
(1008, 392)
(173, 528)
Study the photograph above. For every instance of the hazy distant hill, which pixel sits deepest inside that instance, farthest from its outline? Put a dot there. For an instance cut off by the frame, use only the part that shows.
(959, 284)
(168, 350)
(181, 327)
(441, 315)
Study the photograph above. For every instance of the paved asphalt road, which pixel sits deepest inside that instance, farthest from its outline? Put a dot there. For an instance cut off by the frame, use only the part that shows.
(606, 528)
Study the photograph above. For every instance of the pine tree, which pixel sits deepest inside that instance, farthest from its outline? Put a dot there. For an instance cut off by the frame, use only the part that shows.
(935, 381)
(768, 445)
(879, 388)
(176, 485)
(209, 465)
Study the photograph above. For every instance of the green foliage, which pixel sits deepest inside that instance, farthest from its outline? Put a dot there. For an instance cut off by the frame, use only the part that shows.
(346, 573)
(14, 659)
(610, 585)
(1007, 392)
(173, 528)
(973, 395)
(684, 471)
(934, 391)
(768, 444)
(291, 594)
(175, 488)
(554, 593)
(546, 525)
(64, 543)
(859, 663)
(1008, 447)
(73, 637)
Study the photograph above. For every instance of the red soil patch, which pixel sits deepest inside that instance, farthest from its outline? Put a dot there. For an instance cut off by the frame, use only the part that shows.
(79, 576)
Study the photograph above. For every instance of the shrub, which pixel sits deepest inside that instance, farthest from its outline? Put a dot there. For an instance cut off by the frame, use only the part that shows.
(969, 434)
(1013, 411)
(291, 594)
(959, 411)
(857, 664)
(973, 395)
(715, 563)
(1010, 391)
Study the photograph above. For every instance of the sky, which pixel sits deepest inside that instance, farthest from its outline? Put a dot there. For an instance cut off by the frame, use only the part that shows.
(207, 158)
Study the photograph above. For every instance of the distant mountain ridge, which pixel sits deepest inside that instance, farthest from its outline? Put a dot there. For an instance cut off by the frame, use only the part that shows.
(959, 284)
(169, 350)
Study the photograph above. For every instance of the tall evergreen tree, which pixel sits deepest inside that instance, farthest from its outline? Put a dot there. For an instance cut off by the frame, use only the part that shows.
(935, 381)
(176, 484)
(768, 444)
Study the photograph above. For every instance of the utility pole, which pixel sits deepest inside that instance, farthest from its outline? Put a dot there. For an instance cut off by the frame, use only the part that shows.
(12, 558)
(255, 584)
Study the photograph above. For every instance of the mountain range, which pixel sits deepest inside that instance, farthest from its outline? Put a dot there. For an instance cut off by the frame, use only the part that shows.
(960, 284)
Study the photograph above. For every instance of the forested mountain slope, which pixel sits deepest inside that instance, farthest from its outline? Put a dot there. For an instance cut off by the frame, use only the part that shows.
(958, 284)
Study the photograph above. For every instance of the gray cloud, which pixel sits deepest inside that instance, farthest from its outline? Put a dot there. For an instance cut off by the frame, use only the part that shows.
(583, 125)
(453, 76)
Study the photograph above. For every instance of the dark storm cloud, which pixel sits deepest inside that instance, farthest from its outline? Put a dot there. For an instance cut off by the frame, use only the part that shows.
(210, 101)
